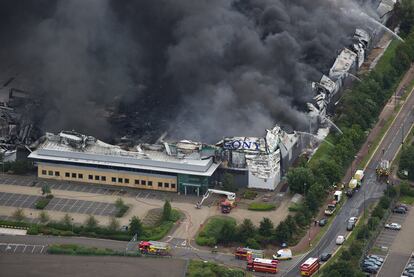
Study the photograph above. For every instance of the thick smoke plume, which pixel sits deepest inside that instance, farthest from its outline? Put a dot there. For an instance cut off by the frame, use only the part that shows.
(198, 69)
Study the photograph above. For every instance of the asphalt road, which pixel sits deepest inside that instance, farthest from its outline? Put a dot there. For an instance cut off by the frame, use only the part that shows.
(16, 265)
(371, 188)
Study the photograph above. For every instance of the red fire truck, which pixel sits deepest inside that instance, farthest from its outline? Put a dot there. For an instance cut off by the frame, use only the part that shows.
(310, 266)
(154, 248)
(242, 253)
(262, 265)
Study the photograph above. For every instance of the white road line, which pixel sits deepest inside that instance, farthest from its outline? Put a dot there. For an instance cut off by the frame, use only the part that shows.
(24, 249)
(34, 246)
(41, 250)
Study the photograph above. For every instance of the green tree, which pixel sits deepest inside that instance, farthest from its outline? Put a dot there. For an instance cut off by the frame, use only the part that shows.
(266, 227)
(298, 177)
(113, 224)
(406, 10)
(135, 226)
(66, 220)
(46, 189)
(327, 171)
(246, 230)
(18, 215)
(91, 222)
(43, 217)
(166, 211)
(290, 222)
(119, 203)
(227, 233)
(282, 232)
(228, 183)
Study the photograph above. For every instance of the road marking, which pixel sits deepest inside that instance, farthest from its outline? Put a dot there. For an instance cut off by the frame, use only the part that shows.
(392, 123)
(41, 250)
(24, 249)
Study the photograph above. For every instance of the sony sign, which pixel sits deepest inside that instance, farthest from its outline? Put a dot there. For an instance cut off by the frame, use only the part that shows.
(241, 145)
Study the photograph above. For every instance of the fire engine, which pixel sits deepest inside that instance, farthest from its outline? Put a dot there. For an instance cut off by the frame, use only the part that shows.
(310, 266)
(262, 265)
(242, 253)
(154, 248)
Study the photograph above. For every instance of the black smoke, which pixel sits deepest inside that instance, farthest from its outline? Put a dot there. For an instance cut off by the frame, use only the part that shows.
(197, 69)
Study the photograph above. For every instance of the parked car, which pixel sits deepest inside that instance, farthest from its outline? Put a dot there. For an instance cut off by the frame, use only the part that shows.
(393, 226)
(325, 257)
(399, 210)
(340, 240)
(401, 205)
(376, 258)
(351, 223)
(323, 222)
(369, 264)
(375, 262)
(370, 269)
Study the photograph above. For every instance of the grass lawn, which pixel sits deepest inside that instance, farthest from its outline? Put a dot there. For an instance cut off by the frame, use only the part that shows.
(204, 268)
(409, 200)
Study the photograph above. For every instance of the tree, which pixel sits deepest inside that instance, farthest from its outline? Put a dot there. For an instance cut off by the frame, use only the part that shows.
(91, 222)
(66, 220)
(228, 183)
(227, 233)
(290, 222)
(298, 177)
(43, 217)
(113, 224)
(246, 230)
(135, 226)
(46, 189)
(266, 227)
(166, 211)
(119, 203)
(282, 233)
(327, 171)
(19, 215)
(314, 196)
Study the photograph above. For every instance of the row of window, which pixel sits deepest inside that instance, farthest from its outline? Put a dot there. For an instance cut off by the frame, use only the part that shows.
(103, 178)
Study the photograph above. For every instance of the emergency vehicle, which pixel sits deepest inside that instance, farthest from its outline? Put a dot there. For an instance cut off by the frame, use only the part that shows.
(262, 265)
(154, 248)
(310, 266)
(242, 253)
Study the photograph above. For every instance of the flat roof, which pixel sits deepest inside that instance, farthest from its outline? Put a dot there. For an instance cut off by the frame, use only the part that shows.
(79, 150)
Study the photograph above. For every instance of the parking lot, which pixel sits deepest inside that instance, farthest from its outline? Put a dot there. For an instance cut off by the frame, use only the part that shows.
(18, 200)
(387, 236)
(58, 204)
(93, 188)
(409, 265)
(17, 248)
(81, 207)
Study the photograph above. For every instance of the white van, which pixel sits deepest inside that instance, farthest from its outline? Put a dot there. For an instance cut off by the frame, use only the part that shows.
(283, 254)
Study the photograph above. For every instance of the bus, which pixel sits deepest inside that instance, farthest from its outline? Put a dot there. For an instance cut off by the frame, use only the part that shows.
(242, 253)
(262, 265)
(310, 266)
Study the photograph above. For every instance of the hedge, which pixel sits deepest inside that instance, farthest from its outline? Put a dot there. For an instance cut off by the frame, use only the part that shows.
(42, 203)
(258, 206)
(74, 249)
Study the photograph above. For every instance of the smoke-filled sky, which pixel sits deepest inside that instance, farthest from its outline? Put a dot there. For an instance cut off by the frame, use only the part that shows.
(198, 69)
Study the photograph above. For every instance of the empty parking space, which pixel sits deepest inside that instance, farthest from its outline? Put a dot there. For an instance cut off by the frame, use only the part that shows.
(387, 236)
(18, 200)
(81, 207)
(18, 248)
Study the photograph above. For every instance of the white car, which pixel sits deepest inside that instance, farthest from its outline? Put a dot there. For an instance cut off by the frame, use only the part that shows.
(353, 219)
(340, 240)
(393, 226)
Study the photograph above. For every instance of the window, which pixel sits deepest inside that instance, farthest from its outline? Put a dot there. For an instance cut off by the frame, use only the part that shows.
(57, 173)
(173, 186)
(80, 176)
(96, 177)
(103, 178)
(136, 182)
(159, 184)
(73, 175)
(119, 180)
(143, 182)
(166, 185)
(150, 183)
(126, 181)
(90, 177)
(113, 179)
(67, 174)
(44, 172)
(50, 173)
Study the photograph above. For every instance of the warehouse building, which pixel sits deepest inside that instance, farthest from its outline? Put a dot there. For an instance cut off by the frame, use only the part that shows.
(69, 156)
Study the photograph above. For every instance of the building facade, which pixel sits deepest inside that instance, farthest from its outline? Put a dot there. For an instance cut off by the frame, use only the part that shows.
(70, 156)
